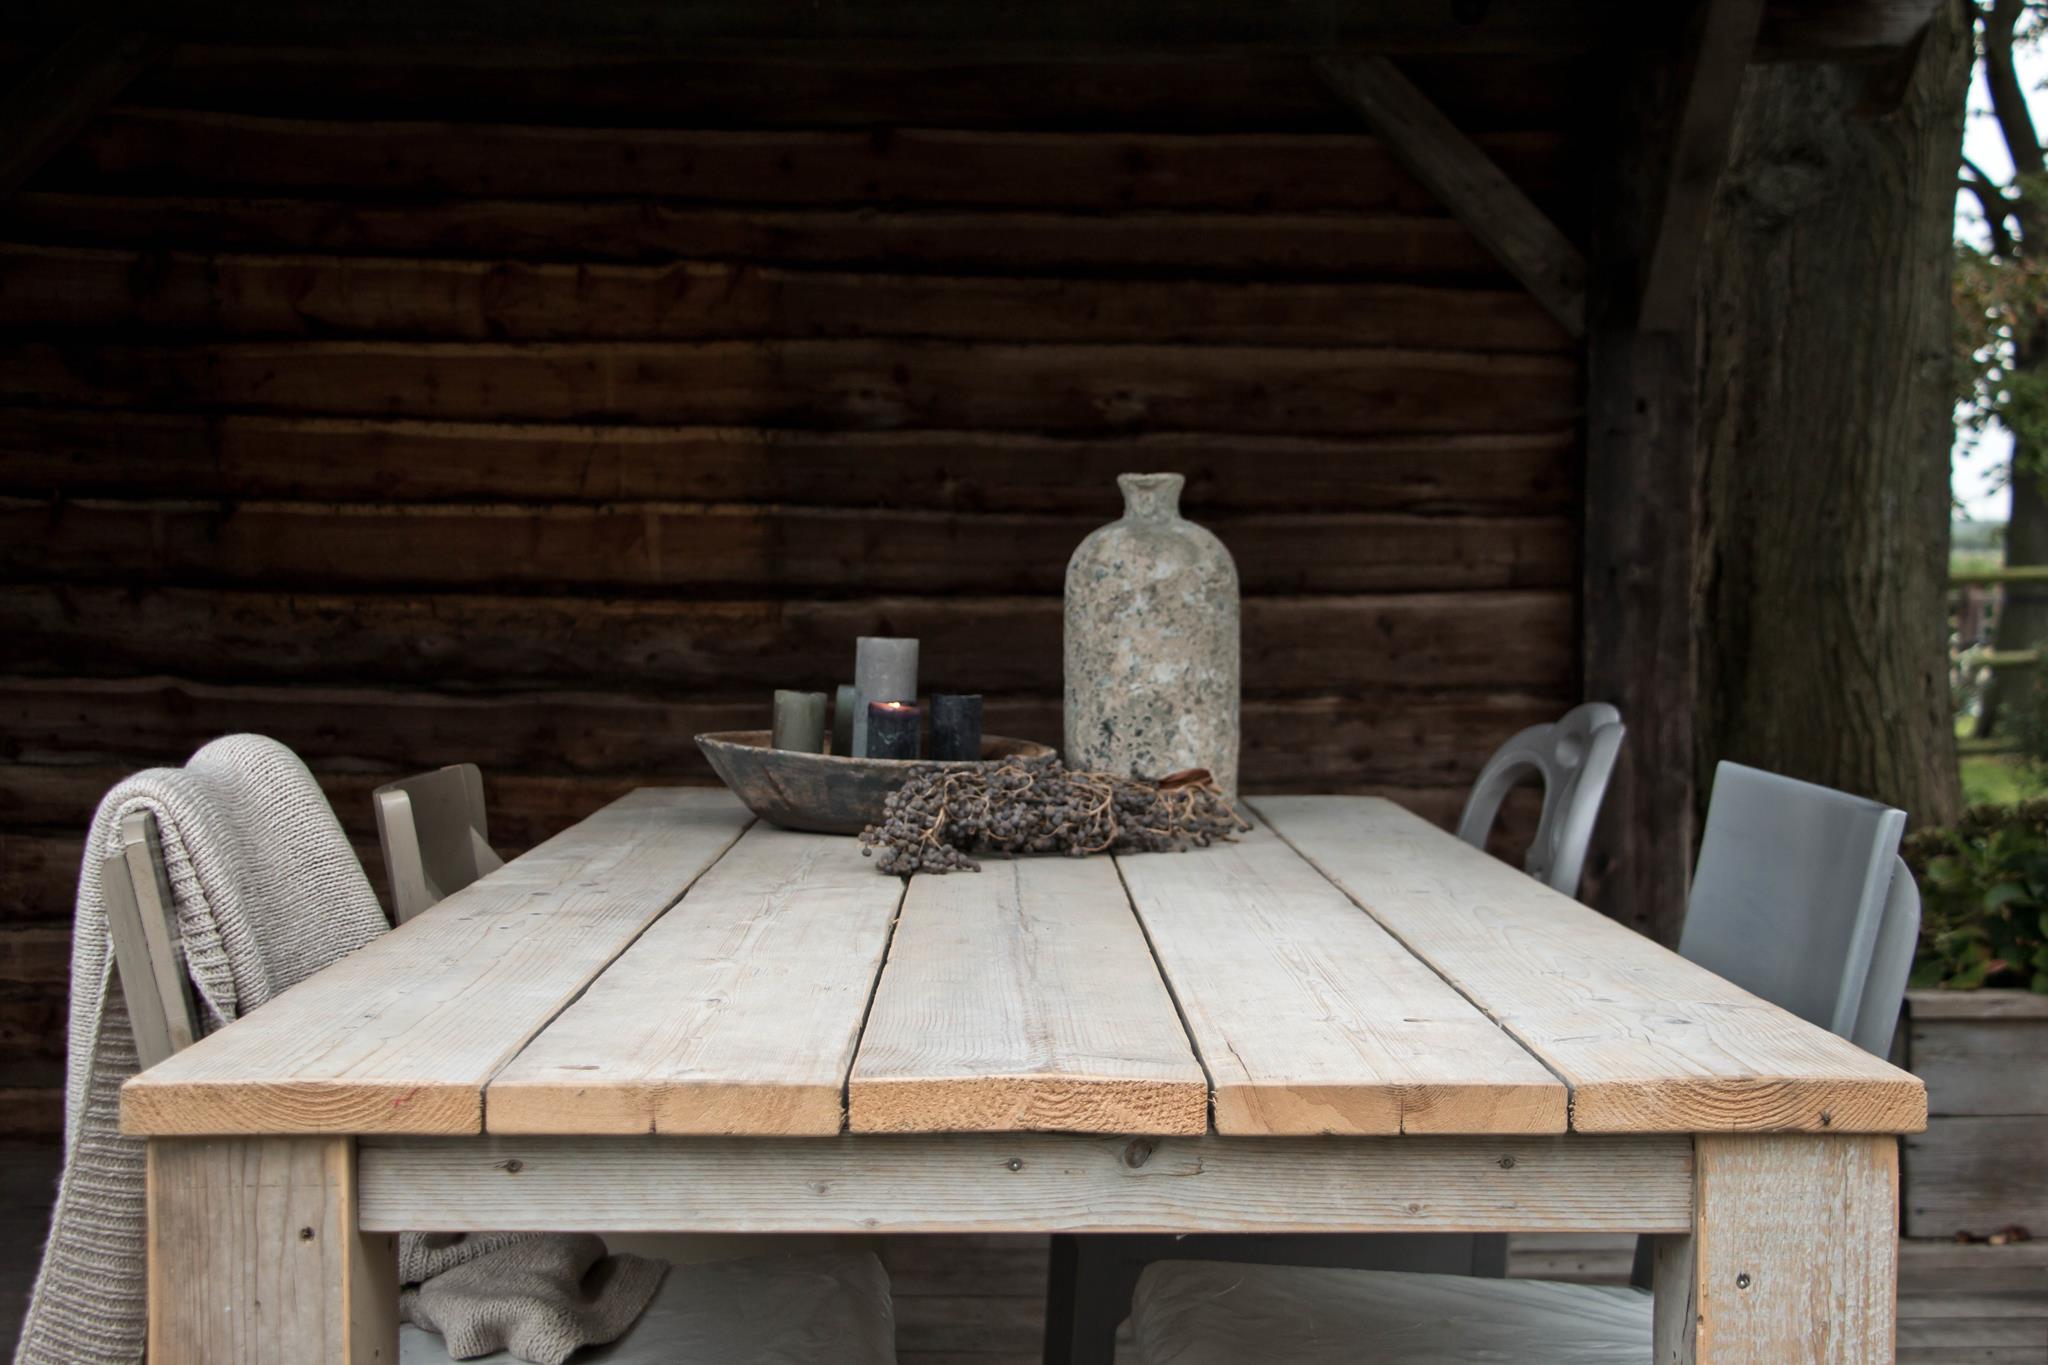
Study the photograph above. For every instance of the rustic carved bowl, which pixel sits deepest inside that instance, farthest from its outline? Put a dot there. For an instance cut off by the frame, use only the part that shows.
(823, 792)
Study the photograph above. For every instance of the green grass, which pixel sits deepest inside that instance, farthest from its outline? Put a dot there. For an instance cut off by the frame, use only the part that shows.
(2000, 780)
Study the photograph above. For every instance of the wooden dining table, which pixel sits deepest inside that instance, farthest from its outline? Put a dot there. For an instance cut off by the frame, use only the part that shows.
(671, 1017)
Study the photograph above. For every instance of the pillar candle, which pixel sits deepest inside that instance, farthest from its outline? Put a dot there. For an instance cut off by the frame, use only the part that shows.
(884, 669)
(892, 729)
(956, 727)
(843, 704)
(799, 721)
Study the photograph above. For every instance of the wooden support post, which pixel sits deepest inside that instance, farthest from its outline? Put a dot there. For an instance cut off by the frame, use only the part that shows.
(1793, 1255)
(1673, 122)
(255, 1256)
(1636, 616)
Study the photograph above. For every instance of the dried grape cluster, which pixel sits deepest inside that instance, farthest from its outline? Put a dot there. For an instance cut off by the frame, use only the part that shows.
(1035, 805)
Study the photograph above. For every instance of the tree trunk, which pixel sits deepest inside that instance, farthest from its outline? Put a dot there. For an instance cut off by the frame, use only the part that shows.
(1825, 427)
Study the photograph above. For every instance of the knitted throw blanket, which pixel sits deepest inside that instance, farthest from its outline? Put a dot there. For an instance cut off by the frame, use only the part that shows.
(267, 892)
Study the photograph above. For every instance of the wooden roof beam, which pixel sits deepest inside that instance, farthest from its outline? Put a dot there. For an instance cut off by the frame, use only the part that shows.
(1504, 219)
(55, 99)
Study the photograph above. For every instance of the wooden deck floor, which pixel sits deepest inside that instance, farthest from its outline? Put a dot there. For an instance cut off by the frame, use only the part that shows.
(980, 1300)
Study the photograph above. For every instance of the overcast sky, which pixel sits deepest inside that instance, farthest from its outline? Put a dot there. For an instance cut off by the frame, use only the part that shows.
(1977, 475)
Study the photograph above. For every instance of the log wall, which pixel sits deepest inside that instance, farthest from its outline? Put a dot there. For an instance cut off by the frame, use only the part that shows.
(547, 416)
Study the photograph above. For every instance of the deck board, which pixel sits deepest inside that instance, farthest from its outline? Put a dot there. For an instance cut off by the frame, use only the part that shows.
(1024, 998)
(1648, 1041)
(401, 1036)
(735, 1014)
(1311, 1018)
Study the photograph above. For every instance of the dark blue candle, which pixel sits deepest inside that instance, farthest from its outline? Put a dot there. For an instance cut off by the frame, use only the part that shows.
(892, 729)
(956, 727)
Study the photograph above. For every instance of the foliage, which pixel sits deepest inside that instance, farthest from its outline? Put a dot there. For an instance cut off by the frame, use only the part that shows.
(2001, 305)
(1984, 899)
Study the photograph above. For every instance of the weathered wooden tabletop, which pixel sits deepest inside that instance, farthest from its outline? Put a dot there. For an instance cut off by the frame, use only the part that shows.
(670, 967)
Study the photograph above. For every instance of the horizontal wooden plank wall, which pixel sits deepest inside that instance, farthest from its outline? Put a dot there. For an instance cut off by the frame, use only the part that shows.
(545, 416)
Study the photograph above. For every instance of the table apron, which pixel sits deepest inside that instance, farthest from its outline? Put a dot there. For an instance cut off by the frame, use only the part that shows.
(1028, 1183)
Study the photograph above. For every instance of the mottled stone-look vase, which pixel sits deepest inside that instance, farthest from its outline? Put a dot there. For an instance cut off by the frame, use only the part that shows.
(1151, 642)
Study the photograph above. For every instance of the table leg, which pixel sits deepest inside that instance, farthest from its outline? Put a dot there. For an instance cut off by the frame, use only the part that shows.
(1793, 1255)
(254, 1256)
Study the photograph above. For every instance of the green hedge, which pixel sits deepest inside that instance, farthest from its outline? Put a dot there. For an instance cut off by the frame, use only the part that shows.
(1984, 899)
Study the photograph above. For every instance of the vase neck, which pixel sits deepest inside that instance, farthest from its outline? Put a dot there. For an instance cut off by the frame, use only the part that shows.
(1151, 497)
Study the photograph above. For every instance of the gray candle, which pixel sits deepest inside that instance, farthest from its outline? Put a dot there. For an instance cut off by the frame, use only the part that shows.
(843, 705)
(799, 721)
(884, 669)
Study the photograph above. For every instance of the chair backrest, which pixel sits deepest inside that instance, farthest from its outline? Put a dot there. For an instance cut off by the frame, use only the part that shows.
(1574, 756)
(142, 926)
(1891, 963)
(434, 837)
(1791, 891)
(1800, 897)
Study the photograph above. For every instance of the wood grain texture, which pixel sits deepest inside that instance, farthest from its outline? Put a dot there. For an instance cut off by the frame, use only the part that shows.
(1794, 1254)
(1379, 246)
(402, 1035)
(328, 459)
(1031, 1182)
(1310, 1018)
(1313, 741)
(187, 150)
(1024, 998)
(735, 1013)
(1466, 177)
(1647, 1041)
(1292, 645)
(255, 1256)
(863, 384)
(1968, 1062)
(1234, 92)
(1976, 1174)
(90, 289)
(730, 548)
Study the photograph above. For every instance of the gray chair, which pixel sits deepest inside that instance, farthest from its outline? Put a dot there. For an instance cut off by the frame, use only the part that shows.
(434, 836)
(1800, 897)
(1574, 757)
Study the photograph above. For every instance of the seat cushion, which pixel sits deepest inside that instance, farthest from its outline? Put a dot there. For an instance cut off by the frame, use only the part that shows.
(765, 1310)
(1218, 1313)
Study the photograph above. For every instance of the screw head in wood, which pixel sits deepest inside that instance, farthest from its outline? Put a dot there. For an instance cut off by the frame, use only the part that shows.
(1742, 1280)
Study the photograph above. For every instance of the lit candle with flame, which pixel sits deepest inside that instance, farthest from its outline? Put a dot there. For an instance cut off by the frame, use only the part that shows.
(893, 729)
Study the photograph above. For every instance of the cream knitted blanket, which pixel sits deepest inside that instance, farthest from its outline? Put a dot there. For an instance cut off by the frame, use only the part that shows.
(267, 892)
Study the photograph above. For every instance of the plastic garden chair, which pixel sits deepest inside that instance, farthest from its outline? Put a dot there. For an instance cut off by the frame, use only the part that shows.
(1574, 756)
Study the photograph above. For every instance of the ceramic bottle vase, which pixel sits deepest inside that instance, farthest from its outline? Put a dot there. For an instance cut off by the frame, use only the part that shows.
(1152, 642)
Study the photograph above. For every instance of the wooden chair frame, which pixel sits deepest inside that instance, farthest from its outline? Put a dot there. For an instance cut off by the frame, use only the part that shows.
(142, 925)
(435, 839)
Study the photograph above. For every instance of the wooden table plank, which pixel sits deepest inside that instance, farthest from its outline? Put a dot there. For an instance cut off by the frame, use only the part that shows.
(1648, 1041)
(881, 1183)
(736, 1014)
(401, 1036)
(1310, 1018)
(1024, 998)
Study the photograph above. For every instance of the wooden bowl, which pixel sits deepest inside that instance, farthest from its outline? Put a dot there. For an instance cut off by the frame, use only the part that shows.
(823, 792)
